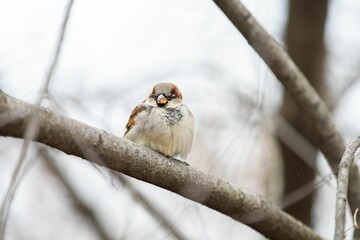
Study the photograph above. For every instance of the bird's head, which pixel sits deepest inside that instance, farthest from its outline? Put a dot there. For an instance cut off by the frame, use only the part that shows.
(165, 95)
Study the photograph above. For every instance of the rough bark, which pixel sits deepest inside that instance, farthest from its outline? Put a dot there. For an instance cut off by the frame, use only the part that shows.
(108, 150)
(327, 137)
(342, 187)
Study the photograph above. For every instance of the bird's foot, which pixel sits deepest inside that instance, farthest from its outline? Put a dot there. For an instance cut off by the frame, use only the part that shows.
(183, 162)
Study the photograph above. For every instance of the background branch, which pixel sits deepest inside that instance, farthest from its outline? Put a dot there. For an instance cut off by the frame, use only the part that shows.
(153, 210)
(304, 39)
(80, 206)
(328, 138)
(297, 86)
(71, 136)
(342, 186)
(32, 125)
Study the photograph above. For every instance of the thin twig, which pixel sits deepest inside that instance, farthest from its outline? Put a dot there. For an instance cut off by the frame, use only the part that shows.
(13, 186)
(156, 213)
(342, 186)
(304, 191)
(150, 207)
(58, 48)
(32, 127)
(290, 137)
(80, 205)
(355, 218)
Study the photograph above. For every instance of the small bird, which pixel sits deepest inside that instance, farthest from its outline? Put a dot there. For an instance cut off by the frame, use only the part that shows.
(162, 122)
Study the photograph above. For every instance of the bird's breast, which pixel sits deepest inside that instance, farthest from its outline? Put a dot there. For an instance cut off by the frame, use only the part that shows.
(172, 116)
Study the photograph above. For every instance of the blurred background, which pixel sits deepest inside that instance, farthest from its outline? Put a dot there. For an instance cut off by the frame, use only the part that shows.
(246, 131)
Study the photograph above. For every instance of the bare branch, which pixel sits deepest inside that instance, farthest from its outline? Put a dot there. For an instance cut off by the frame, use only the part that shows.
(59, 42)
(304, 191)
(151, 208)
(81, 207)
(19, 174)
(149, 166)
(32, 126)
(329, 139)
(295, 141)
(342, 186)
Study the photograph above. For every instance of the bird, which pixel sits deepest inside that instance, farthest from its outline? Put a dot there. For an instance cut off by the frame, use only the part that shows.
(162, 122)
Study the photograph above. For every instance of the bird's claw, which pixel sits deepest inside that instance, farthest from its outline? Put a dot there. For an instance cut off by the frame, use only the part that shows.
(182, 162)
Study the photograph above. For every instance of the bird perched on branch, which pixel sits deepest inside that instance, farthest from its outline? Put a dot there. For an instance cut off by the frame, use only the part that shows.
(162, 122)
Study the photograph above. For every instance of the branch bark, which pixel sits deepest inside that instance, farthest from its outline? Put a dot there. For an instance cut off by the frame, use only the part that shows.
(342, 186)
(329, 139)
(105, 149)
(297, 86)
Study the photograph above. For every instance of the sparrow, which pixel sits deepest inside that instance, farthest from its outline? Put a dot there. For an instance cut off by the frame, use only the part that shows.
(162, 122)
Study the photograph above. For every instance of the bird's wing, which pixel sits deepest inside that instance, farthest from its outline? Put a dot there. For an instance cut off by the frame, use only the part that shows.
(133, 115)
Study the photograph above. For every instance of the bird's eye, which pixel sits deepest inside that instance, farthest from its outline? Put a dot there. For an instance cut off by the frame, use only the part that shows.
(171, 97)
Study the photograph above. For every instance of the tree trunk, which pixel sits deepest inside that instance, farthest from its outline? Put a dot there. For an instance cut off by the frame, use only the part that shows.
(305, 43)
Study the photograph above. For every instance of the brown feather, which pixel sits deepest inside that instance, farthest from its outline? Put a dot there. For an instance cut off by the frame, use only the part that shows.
(175, 90)
(132, 118)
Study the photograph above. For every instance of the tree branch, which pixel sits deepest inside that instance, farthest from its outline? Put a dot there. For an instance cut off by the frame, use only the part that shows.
(32, 126)
(342, 186)
(71, 137)
(79, 205)
(151, 208)
(328, 138)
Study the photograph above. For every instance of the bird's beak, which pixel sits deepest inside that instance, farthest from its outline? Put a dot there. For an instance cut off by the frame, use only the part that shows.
(161, 100)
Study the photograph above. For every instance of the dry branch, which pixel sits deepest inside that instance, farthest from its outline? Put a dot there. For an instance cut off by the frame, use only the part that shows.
(328, 138)
(79, 205)
(295, 83)
(342, 186)
(32, 126)
(71, 137)
(152, 209)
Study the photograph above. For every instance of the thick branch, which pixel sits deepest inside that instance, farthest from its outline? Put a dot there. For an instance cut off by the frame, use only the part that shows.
(76, 138)
(328, 138)
(342, 186)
